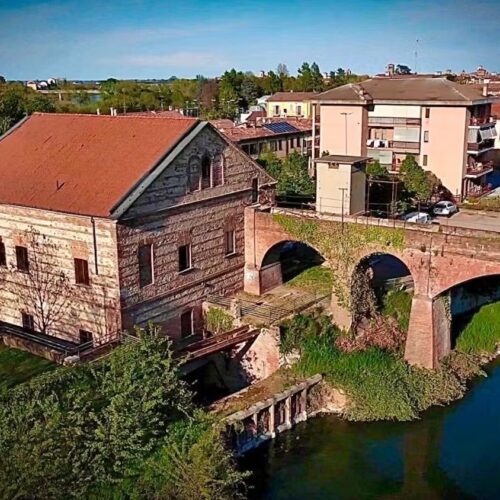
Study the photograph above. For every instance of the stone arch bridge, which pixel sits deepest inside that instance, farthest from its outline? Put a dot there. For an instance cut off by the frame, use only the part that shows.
(438, 258)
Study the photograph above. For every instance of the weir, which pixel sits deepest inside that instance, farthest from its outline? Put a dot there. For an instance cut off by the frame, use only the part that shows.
(249, 428)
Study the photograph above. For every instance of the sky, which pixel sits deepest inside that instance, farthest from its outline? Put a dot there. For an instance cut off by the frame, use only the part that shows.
(98, 39)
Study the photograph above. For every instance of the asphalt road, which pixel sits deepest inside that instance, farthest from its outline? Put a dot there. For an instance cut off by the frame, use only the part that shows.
(473, 219)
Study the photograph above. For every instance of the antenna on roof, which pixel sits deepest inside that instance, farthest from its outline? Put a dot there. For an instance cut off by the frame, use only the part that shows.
(416, 55)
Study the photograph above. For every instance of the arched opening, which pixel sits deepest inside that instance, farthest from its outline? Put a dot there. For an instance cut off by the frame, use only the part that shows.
(473, 309)
(287, 260)
(206, 172)
(381, 286)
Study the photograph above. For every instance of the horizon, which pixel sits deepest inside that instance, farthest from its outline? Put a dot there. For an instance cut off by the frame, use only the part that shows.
(129, 40)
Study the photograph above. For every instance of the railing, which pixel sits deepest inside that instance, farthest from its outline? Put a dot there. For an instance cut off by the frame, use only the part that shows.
(480, 146)
(480, 169)
(385, 144)
(478, 121)
(389, 120)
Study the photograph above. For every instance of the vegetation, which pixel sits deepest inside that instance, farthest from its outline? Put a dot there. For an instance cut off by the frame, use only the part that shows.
(291, 173)
(18, 366)
(375, 169)
(77, 431)
(397, 305)
(486, 204)
(379, 384)
(318, 279)
(218, 320)
(418, 183)
(482, 334)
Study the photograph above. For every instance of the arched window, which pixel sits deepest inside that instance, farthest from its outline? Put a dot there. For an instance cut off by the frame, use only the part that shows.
(206, 172)
(194, 174)
(218, 171)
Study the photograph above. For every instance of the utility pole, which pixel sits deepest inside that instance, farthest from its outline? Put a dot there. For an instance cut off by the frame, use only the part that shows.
(345, 129)
(416, 55)
(343, 190)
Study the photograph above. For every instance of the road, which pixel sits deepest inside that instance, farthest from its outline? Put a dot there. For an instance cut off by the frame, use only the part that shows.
(473, 219)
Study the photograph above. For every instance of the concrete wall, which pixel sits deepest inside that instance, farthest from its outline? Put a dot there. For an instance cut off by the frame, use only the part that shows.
(290, 107)
(94, 308)
(395, 111)
(333, 129)
(447, 147)
(167, 215)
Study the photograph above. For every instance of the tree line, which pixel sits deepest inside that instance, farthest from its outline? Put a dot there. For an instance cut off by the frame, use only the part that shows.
(209, 98)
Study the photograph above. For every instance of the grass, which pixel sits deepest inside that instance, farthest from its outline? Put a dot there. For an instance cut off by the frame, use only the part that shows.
(315, 279)
(18, 366)
(482, 333)
(379, 385)
(397, 304)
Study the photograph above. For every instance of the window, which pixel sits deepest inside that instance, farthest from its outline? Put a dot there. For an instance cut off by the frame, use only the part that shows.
(187, 323)
(424, 160)
(85, 337)
(23, 263)
(253, 149)
(280, 145)
(299, 109)
(146, 276)
(426, 136)
(194, 174)
(427, 112)
(3, 258)
(229, 242)
(28, 322)
(276, 110)
(81, 272)
(255, 190)
(184, 258)
(206, 172)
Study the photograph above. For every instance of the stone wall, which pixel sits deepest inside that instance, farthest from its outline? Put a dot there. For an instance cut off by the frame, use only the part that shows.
(93, 308)
(167, 215)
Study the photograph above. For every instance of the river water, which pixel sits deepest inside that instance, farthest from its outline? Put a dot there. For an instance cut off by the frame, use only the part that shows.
(452, 452)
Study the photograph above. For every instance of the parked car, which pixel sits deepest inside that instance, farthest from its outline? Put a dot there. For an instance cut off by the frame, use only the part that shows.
(446, 208)
(418, 217)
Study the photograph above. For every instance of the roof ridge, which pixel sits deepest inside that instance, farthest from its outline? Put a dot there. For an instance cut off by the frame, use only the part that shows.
(116, 116)
(454, 88)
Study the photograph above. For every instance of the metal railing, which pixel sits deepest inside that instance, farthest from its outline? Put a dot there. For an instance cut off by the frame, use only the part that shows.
(389, 120)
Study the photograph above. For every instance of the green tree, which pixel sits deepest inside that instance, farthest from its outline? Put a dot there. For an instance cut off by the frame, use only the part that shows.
(228, 101)
(316, 78)
(305, 78)
(294, 178)
(249, 90)
(271, 163)
(415, 179)
(375, 169)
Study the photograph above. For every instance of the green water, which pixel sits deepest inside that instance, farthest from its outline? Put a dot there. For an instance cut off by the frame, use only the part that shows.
(452, 452)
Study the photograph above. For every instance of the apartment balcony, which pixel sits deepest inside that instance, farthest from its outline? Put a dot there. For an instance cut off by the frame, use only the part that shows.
(388, 121)
(482, 121)
(479, 170)
(480, 147)
(396, 146)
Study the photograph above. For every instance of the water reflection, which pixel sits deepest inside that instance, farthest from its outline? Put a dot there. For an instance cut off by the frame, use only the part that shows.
(452, 452)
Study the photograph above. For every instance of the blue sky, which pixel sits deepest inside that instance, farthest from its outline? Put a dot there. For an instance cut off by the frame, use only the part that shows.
(89, 39)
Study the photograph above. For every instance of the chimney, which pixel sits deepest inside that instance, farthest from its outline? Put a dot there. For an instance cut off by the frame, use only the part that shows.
(485, 87)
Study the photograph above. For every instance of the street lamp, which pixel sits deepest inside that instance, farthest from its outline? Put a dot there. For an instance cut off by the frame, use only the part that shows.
(345, 128)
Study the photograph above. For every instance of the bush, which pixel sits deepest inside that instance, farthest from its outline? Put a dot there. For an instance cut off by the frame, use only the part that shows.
(397, 305)
(218, 320)
(482, 333)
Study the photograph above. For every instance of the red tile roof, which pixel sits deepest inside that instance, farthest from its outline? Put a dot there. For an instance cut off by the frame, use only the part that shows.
(292, 96)
(82, 164)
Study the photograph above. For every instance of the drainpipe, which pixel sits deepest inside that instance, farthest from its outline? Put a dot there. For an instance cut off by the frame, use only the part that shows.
(94, 239)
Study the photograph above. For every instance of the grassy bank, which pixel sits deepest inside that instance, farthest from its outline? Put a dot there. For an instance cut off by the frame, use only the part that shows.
(18, 366)
(482, 334)
(397, 305)
(379, 385)
(316, 279)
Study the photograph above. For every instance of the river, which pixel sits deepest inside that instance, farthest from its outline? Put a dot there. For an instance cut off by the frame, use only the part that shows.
(452, 452)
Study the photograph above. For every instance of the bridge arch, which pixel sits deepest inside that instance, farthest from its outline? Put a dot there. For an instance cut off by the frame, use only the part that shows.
(284, 260)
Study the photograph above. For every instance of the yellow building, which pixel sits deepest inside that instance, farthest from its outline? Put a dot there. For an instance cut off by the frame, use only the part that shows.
(287, 104)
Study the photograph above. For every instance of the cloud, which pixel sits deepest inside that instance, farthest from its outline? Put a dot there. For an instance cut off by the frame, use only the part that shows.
(178, 59)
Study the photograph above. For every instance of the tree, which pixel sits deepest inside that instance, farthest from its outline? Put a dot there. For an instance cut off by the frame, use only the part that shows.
(305, 78)
(46, 290)
(375, 169)
(416, 180)
(2, 79)
(316, 78)
(249, 90)
(228, 101)
(282, 70)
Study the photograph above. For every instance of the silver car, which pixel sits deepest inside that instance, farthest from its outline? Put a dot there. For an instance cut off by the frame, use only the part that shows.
(446, 208)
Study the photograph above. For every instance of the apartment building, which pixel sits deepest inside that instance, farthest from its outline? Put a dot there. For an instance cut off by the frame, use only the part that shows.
(285, 104)
(111, 221)
(447, 127)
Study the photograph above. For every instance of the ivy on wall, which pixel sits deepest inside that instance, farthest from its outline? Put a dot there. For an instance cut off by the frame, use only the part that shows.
(342, 245)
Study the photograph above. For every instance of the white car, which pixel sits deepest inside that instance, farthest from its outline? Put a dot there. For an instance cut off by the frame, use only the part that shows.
(446, 208)
(418, 218)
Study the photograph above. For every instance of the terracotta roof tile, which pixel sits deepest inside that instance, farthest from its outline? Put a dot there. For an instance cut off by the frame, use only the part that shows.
(291, 96)
(82, 164)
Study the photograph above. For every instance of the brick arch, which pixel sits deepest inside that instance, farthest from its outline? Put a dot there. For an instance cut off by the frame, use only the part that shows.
(284, 241)
(474, 276)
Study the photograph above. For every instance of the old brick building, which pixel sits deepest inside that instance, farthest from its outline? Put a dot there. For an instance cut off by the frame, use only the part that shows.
(107, 222)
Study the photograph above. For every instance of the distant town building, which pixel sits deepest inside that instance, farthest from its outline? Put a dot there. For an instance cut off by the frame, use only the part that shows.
(136, 219)
(290, 104)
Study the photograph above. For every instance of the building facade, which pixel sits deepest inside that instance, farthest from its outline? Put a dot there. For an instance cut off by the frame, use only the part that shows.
(447, 127)
(295, 104)
(119, 221)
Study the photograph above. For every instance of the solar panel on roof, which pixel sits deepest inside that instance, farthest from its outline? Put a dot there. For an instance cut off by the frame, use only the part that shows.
(280, 127)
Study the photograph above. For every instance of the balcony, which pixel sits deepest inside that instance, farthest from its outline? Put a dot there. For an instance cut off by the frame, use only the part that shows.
(478, 170)
(398, 146)
(389, 121)
(481, 121)
(480, 147)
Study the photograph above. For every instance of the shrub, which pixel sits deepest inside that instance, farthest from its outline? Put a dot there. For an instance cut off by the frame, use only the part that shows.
(397, 305)
(218, 320)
